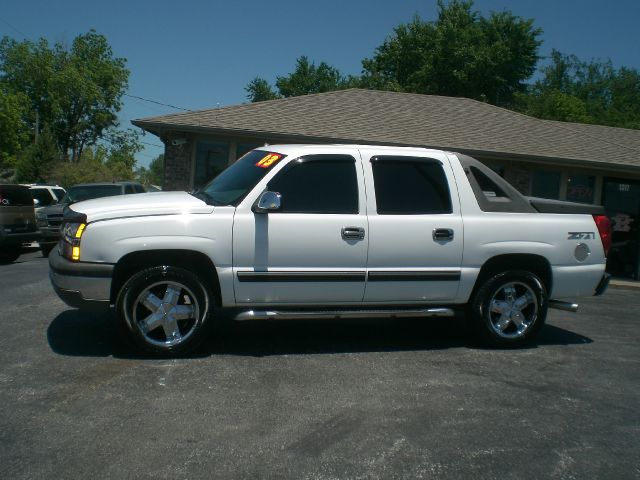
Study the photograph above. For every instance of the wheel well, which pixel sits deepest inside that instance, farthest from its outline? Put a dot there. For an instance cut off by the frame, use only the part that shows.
(196, 262)
(535, 264)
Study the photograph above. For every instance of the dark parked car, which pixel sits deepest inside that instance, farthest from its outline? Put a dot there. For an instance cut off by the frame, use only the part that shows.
(50, 218)
(17, 221)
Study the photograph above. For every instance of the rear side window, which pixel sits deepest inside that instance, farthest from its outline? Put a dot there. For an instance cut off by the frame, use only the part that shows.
(410, 186)
(43, 196)
(15, 196)
(128, 189)
(318, 184)
(489, 188)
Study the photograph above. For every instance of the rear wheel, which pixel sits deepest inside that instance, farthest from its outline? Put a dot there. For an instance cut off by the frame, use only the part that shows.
(509, 308)
(9, 253)
(165, 310)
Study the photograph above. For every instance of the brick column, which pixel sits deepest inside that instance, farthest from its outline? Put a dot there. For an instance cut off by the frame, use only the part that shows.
(177, 165)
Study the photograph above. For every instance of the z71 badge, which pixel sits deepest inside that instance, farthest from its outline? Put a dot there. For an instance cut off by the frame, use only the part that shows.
(581, 236)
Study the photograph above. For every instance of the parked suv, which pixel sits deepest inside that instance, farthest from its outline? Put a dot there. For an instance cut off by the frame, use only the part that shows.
(49, 218)
(45, 195)
(17, 221)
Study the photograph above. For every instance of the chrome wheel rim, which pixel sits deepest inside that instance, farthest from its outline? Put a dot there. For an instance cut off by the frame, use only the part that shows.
(166, 313)
(513, 309)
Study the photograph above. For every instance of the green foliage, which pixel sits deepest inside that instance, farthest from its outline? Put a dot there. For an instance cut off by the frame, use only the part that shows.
(259, 90)
(76, 92)
(557, 105)
(154, 175)
(305, 79)
(460, 54)
(590, 92)
(35, 162)
(107, 162)
(14, 134)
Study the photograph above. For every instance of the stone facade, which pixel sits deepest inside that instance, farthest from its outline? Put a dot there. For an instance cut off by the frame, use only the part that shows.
(177, 165)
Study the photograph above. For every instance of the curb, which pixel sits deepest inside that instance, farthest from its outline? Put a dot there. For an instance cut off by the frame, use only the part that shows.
(625, 284)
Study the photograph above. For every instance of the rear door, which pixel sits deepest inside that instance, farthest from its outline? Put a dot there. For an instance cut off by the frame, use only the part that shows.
(415, 227)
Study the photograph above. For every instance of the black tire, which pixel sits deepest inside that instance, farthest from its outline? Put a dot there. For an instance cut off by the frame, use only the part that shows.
(508, 309)
(9, 253)
(165, 310)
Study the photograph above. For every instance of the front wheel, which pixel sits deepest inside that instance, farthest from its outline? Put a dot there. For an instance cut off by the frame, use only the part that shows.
(166, 310)
(9, 253)
(509, 308)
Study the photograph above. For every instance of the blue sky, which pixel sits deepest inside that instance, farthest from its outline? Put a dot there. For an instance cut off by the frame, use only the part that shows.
(200, 54)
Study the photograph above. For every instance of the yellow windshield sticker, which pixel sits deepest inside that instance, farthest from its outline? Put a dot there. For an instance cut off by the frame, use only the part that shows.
(268, 160)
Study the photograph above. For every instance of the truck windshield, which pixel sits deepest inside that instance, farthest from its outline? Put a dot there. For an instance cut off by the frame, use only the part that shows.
(230, 187)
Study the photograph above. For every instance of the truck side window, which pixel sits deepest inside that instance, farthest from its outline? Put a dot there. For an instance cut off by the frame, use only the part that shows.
(318, 184)
(410, 186)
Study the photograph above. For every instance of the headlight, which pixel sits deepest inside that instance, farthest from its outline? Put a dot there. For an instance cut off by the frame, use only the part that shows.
(71, 236)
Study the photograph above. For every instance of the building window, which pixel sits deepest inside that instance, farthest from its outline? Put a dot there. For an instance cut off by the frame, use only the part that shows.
(546, 184)
(621, 199)
(580, 188)
(211, 159)
(410, 187)
(243, 148)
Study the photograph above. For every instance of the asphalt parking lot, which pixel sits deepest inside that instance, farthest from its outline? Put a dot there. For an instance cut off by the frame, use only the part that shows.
(322, 400)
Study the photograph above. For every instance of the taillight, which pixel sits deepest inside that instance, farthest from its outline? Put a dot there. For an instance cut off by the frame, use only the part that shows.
(604, 228)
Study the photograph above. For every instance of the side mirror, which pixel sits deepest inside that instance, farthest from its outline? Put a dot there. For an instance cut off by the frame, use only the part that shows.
(36, 202)
(267, 202)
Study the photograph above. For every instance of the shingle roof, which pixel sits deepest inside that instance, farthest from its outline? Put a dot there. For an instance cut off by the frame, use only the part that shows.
(368, 116)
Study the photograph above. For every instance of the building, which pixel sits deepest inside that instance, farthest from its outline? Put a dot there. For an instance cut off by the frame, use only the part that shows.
(567, 161)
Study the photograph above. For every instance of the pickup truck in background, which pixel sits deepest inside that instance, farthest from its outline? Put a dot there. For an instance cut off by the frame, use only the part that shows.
(49, 218)
(332, 231)
(17, 221)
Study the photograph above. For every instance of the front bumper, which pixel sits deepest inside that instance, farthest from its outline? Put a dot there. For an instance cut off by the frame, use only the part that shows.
(19, 238)
(82, 285)
(50, 235)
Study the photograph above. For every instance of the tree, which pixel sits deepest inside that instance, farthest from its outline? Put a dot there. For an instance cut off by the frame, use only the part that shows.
(154, 175)
(14, 134)
(591, 92)
(75, 92)
(259, 90)
(460, 54)
(34, 164)
(110, 161)
(305, 79)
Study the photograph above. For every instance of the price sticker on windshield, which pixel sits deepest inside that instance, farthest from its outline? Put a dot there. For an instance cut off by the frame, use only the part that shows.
(268, 160)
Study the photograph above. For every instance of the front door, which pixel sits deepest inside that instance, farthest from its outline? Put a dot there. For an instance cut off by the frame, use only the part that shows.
(314, 249)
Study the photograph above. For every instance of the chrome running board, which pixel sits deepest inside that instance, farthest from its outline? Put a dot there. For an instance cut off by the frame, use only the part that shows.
(566, 306)
(333, 314)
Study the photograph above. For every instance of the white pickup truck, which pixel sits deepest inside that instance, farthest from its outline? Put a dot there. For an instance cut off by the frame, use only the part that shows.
(332, 231)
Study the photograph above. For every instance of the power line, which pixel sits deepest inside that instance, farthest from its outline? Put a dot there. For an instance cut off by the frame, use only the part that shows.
(157, 103)
(14, 28)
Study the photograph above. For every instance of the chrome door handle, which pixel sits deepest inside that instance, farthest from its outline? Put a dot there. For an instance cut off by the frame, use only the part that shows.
(442, 234)
(353, 233)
